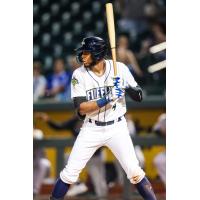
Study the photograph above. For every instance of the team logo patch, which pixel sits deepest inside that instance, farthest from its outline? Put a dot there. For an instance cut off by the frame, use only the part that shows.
(74, 81)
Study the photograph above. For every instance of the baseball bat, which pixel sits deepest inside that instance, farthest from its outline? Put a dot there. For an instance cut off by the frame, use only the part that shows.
(111, 33)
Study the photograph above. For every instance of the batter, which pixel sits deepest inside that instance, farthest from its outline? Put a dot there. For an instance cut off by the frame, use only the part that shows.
(99, 99)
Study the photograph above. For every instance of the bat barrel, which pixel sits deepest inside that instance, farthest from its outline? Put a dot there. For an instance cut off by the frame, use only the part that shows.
(111, 33)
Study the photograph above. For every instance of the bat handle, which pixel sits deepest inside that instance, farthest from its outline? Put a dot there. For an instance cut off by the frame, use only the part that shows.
(114, 60)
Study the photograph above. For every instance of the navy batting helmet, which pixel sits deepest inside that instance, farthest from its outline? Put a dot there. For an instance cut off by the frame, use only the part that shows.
(95, 45)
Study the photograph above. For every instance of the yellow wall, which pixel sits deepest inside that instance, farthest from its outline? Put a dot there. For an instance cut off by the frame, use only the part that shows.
(146, 117)
(57, 116)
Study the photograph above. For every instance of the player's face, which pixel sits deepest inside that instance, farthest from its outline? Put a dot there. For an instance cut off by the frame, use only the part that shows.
(87, 58)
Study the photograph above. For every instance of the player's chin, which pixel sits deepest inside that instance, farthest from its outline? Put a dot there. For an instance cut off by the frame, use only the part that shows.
(86, 65)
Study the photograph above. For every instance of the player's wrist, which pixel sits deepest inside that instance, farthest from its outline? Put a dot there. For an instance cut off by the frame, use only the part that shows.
(103, 101)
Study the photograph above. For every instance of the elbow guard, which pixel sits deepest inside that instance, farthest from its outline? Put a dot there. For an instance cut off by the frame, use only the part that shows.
(135, 93)
(77, 102)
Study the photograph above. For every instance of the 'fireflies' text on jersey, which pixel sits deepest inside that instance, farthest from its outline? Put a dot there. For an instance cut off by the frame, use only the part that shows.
(86, 83)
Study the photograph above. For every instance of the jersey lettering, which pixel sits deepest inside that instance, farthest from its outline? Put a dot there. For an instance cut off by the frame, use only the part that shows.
(87, 84)
(97, 93)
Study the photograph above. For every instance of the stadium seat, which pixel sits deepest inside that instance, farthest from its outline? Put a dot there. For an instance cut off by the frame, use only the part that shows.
(96, 7)
(55, 28)
(99, 27)
(46, 39)
(55, 9)
(36, 51)
(87, 2)
(64, 2)
(77, 29)
(44, 6)
(48, 63)
(87, 17)
(66, 17)
(75, 8)
(35, 10)
(36, 13)
(44, 3)
(67, 38)
(45, 19)
(36, 29)
(57, 50)
(87, 21)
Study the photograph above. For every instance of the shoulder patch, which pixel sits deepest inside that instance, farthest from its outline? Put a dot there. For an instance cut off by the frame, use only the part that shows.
(74, 81)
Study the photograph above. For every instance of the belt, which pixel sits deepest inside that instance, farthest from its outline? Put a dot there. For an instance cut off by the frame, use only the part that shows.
(98, 123)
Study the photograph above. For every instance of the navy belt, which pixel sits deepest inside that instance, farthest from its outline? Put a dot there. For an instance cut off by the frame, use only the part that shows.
(98, 123)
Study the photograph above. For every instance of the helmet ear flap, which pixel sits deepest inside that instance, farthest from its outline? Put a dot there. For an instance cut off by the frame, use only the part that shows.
(79, 57)
(100, 54)
(95, 45)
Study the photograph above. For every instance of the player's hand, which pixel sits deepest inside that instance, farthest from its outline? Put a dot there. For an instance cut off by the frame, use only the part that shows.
(114, 94)
(119, 82)
(118, 90)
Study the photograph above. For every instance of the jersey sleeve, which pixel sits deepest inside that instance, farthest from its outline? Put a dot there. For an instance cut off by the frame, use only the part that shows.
(77, 85)
(128, 77)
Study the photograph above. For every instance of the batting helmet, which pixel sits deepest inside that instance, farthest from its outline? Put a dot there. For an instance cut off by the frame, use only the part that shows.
(95, 45)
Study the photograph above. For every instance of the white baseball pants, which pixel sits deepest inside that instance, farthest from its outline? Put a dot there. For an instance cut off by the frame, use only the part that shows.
(91, 137)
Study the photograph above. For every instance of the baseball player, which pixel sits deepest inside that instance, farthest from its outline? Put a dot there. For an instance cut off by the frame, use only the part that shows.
(99, 99)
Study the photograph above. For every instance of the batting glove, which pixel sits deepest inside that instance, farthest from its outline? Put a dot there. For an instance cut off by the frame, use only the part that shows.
(116, 81)
(118, 91)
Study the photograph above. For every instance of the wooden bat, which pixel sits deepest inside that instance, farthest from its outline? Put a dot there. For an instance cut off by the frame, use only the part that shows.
(111, 33)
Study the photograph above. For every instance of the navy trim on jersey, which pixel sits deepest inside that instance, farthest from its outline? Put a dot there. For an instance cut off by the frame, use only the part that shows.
(99, 113)
(99, 86)
(104, 86)
(92, 77)
(105, 114)
(108, 72)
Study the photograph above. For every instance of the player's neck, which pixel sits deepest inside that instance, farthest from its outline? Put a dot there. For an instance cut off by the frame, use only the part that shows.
(99, 68)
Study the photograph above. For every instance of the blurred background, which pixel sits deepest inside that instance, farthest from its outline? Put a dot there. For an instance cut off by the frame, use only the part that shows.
(58, 28)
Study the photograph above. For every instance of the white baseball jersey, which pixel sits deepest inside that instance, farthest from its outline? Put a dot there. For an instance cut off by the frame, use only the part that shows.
(115, 136)
(86, 83)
